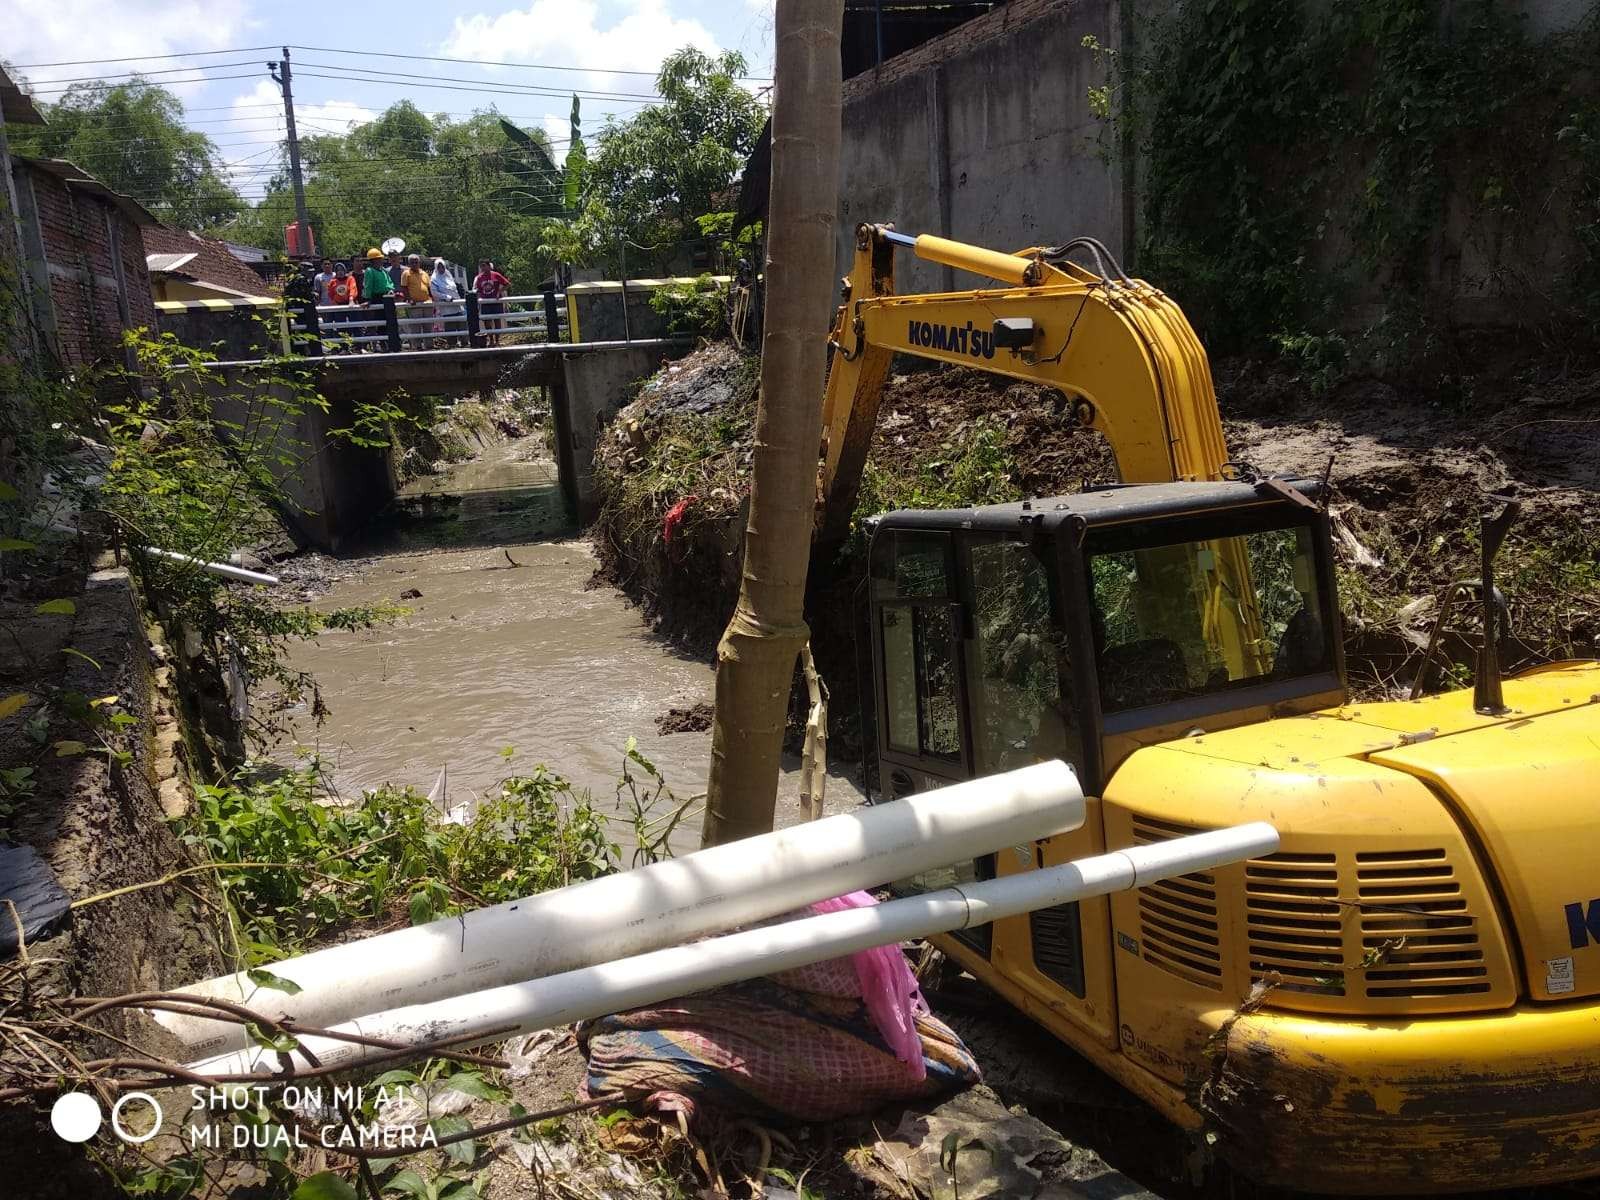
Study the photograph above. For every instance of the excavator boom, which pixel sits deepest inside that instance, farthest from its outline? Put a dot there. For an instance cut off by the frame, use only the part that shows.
(1118, 348)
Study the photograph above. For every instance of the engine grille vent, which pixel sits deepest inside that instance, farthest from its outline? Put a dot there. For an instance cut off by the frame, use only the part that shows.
(1417, 936)
(1292, 913)
(1178, 917)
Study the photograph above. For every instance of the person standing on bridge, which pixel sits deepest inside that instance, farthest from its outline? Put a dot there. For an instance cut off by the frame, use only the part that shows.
(344, 290)
(414, 286)
(490, 286)
(376, 286)
(446, 297)
(322, 281)
(375, 281)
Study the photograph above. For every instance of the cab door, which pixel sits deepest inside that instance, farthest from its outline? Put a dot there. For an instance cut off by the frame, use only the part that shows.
(1021, 709)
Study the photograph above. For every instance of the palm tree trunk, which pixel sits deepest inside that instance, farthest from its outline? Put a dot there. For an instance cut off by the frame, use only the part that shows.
(756, 658)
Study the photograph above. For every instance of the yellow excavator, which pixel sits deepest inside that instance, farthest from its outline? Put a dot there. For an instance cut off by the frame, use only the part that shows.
(1406, 997)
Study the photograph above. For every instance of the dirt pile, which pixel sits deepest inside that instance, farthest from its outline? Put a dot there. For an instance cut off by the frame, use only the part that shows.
(927, 420)
(1411, 473)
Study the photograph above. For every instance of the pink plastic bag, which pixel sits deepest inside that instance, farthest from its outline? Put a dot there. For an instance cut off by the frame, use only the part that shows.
(888, 987)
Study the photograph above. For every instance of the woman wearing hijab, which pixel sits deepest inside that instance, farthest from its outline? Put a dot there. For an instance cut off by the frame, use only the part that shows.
(446, 296)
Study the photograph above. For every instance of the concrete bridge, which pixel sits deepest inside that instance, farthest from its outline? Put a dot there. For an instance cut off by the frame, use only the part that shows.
(337, 487)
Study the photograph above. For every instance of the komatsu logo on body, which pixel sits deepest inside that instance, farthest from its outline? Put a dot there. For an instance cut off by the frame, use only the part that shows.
(958, 339)
(1583, 923)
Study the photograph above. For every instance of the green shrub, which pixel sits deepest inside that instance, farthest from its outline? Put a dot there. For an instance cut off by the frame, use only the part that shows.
(696, 307)
(310, 866)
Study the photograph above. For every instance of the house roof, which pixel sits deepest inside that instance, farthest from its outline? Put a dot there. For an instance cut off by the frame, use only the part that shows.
(79, 180)
(201, 258)
(166, 263)
(16, 106)
(249, 254)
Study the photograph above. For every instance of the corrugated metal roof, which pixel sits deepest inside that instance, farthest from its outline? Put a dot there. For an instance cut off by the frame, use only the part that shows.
(166, 262)
(245, 254)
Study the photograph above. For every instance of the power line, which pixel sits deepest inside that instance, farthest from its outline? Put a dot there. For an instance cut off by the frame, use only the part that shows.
(243, 62)
(484, 62)
(32, 91)
(90, 62)
(475, 62)
(492, 89)
(536, 88)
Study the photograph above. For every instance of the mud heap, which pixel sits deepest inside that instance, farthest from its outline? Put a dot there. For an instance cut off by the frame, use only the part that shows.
(1410, 474)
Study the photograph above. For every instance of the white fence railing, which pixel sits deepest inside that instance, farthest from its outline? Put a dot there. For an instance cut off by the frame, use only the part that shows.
(390, 325)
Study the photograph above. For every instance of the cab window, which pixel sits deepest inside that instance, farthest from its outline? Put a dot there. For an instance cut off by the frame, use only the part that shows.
(919, 632)
(1015, 659)
(1189, 618)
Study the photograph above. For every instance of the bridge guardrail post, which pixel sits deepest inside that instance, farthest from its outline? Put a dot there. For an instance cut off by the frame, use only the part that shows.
(312, 334)
(391, 318)
(474, 326)
(552, 318)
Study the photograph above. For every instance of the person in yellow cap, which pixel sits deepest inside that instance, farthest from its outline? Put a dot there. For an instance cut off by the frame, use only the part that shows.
(375, 281)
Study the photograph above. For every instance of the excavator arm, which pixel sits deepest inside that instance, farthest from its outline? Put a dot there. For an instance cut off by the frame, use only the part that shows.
(1120, 350)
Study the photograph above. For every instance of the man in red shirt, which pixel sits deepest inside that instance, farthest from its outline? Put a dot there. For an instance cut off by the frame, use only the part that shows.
(490, 286)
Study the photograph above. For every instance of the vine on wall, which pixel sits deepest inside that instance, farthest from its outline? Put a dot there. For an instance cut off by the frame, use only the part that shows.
(1299, 157)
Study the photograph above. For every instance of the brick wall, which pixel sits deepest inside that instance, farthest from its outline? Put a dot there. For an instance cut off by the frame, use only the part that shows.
(85, 239)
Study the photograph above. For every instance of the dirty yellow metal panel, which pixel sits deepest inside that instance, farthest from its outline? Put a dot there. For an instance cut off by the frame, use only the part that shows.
(1544, 690)
(1374, 903)
(1015, 954)
(1530, 790)
(1382, 1106)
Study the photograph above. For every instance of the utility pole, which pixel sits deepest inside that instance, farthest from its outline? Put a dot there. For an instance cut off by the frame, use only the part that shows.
(282, 77)
(756, 657)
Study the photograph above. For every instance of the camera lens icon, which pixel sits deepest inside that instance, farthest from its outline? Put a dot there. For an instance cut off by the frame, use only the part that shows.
(76, 1117)
(135, 1139)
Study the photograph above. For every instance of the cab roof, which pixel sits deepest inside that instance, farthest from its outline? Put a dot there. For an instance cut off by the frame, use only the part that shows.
(1105, 504)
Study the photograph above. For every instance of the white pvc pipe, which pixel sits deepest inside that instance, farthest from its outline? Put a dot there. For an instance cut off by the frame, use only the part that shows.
(226, 570)
(658, 905)
(683, 970)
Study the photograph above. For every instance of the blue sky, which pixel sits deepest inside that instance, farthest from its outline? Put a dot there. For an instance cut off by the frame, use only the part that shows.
(237, 106)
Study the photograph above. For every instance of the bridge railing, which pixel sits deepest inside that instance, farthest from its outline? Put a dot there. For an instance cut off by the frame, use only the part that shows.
(393, 325)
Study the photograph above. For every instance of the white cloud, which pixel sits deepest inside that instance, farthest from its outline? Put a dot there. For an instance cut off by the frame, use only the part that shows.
(63, 30)
(330, 116)
(335, 116)
(568, 33)
(259, 107)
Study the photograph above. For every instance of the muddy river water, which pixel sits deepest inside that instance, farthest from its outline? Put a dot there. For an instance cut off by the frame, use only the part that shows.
(507, 644)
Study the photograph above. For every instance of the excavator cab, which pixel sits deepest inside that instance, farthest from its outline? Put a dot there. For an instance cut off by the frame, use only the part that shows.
(1082, 627)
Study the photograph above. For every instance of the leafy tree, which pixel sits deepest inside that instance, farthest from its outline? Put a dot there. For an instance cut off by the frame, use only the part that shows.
(131, 136)
(577, 158)
(652, 176)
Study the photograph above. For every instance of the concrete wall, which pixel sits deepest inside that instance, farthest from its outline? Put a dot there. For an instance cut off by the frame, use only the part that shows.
(231, 331)
(333, 488)
(594, 387)
(597, 306)
(984, 135)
